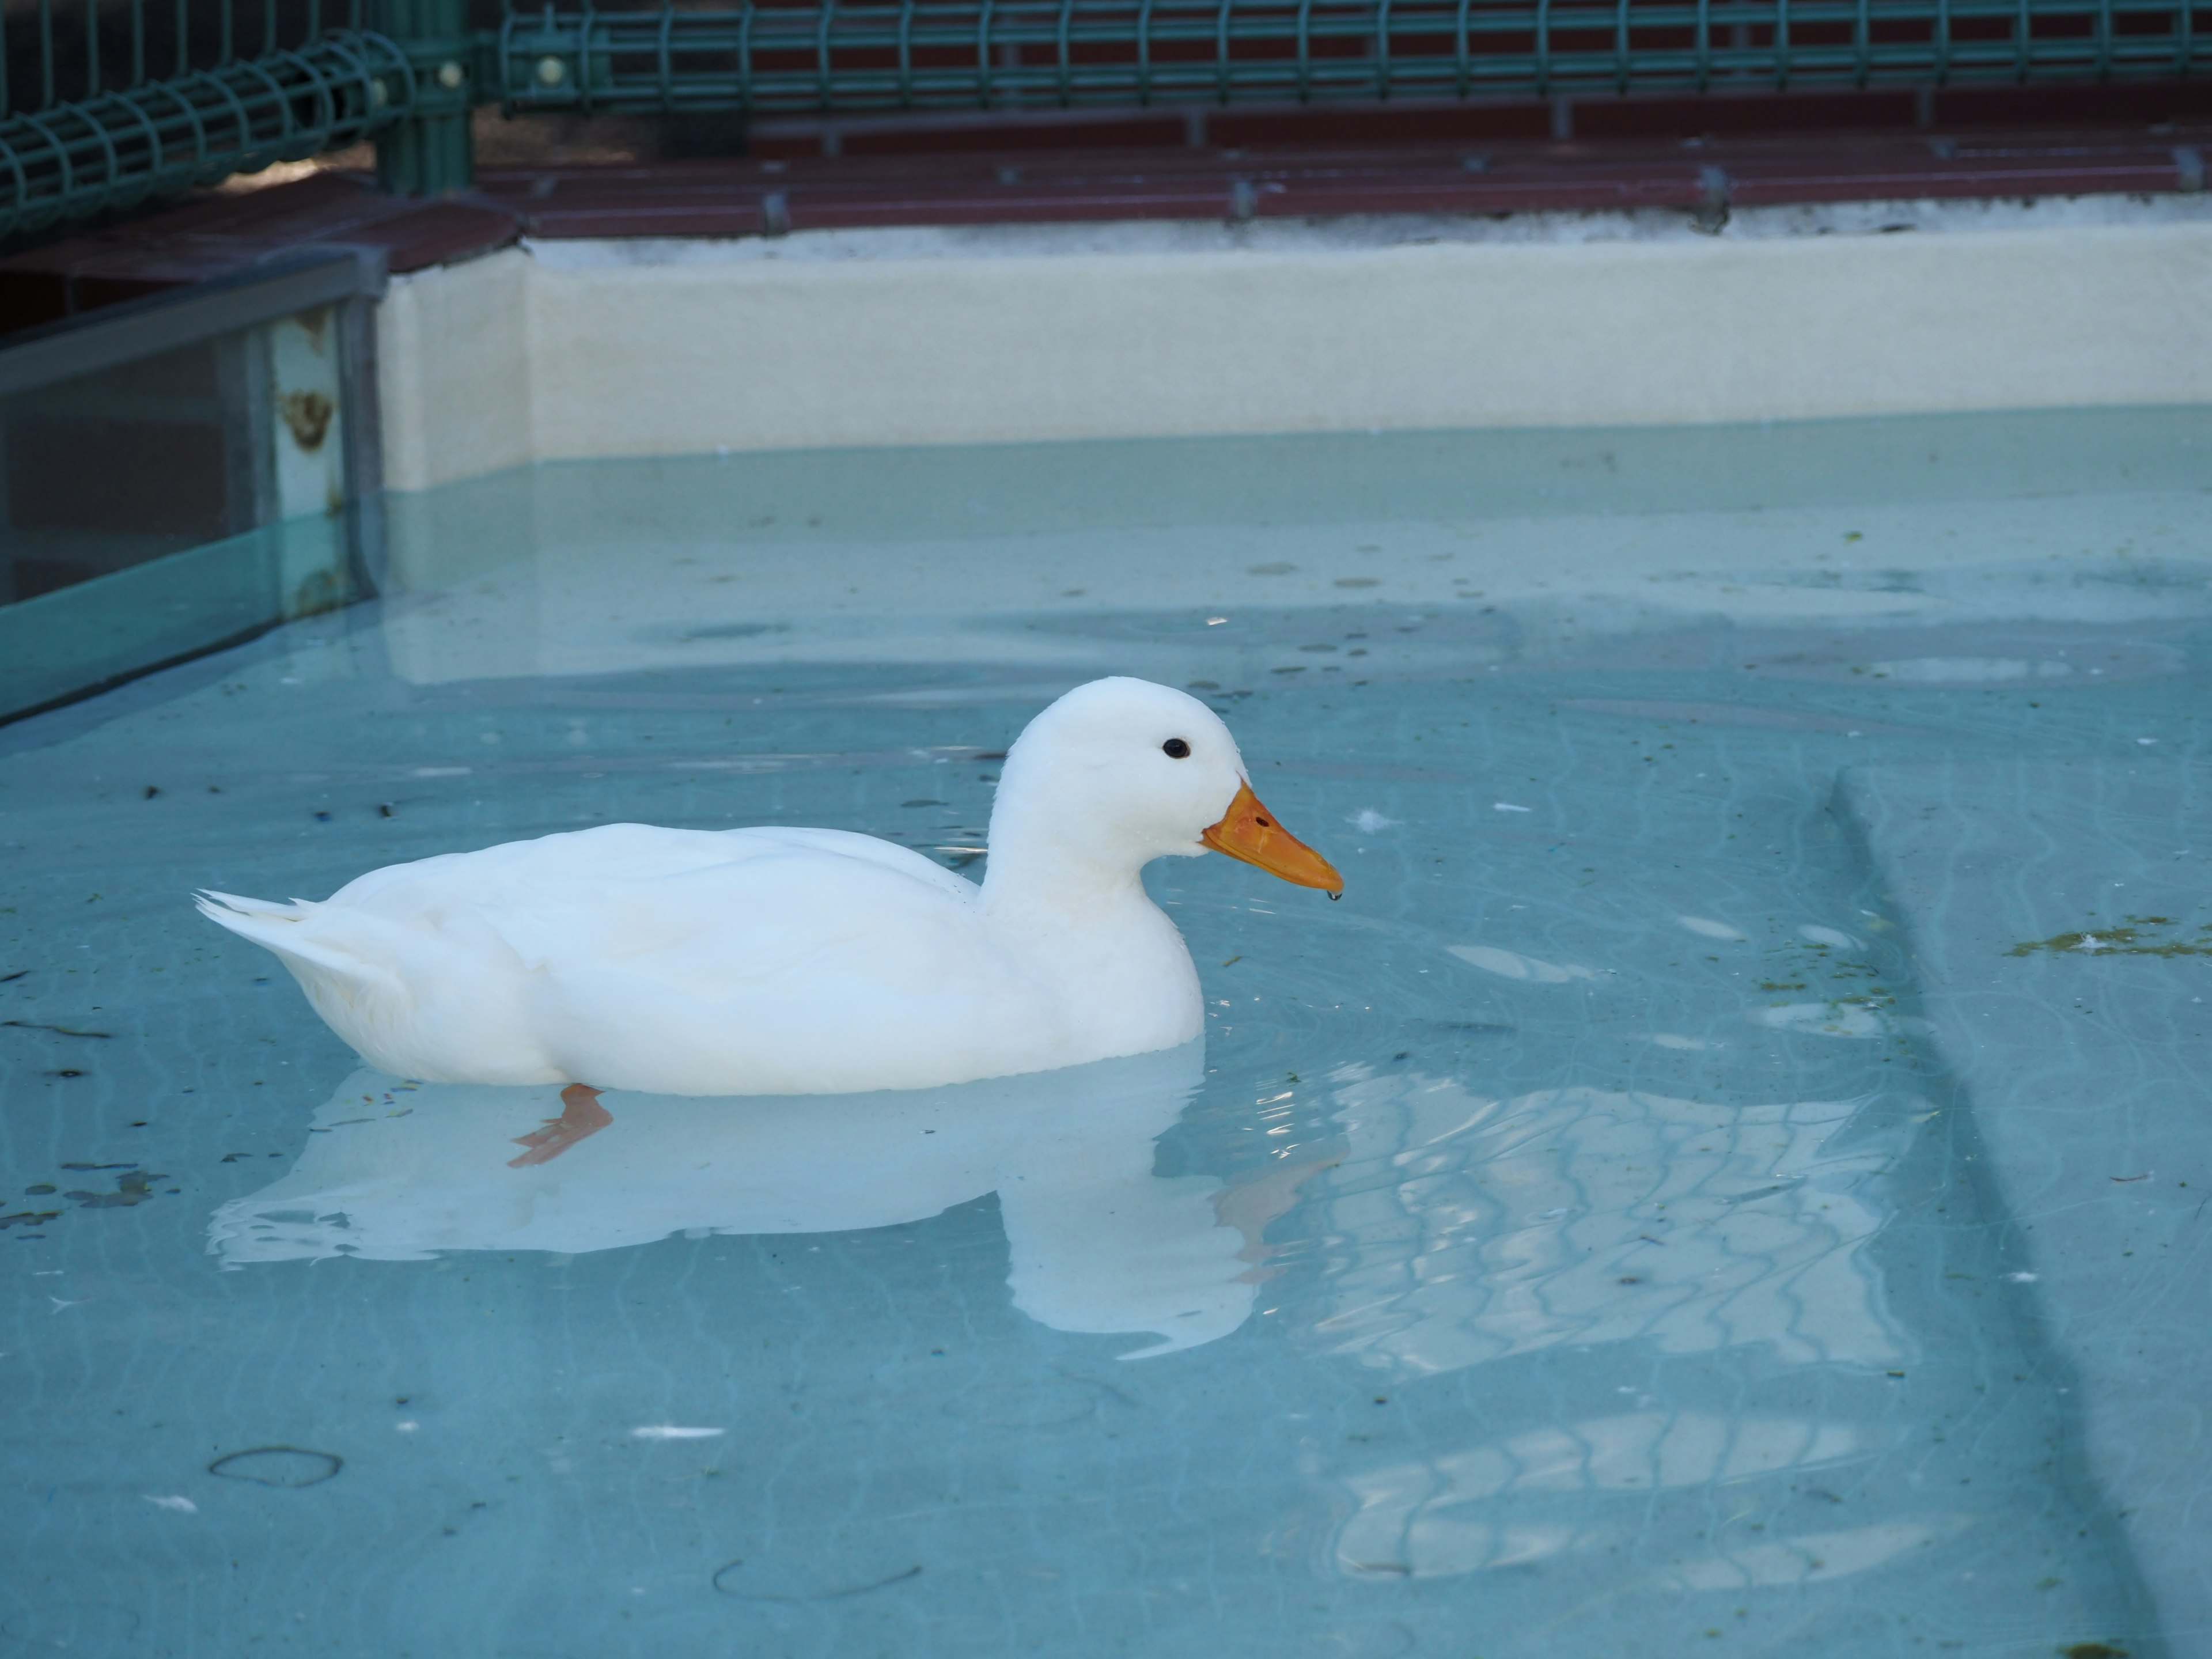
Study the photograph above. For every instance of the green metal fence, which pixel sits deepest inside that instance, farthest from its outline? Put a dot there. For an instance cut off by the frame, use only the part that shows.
(991, 54)
(234, 95)
(173, 112)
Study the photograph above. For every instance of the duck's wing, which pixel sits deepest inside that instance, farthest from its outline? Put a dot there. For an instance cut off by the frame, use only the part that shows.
(628, 956)
(810, 962)
(677, 905)
(525, 871)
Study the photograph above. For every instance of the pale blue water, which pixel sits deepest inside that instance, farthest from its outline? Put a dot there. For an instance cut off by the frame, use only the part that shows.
(1635, 1221)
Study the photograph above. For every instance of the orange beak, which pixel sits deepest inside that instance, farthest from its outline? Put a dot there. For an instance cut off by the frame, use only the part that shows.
(1249, 831)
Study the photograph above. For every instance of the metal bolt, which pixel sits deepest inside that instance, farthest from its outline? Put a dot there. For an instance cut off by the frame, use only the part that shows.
(450, 76)
(551, 71)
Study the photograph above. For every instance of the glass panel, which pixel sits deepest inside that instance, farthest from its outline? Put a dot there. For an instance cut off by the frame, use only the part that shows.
(170, 505)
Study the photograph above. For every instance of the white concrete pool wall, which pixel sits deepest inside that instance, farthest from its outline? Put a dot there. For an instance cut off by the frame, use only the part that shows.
(573, 351)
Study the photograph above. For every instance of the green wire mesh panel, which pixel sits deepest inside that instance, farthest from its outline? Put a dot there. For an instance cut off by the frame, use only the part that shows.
(948, 54)
(111, 111)
(107, 102)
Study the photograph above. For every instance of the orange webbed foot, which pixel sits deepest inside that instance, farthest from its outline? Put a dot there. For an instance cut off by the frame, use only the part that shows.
(581, 1117)
(1249, 1206)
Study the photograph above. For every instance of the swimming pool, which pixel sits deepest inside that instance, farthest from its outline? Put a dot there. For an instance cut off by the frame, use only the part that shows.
(1729, 1177)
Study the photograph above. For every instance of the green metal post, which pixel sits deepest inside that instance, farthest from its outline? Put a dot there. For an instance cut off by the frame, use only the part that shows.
(429, 152)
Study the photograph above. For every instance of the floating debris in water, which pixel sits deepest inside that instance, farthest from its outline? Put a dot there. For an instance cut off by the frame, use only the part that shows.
(2133, 938)
(732, 1579)
(278, 1465)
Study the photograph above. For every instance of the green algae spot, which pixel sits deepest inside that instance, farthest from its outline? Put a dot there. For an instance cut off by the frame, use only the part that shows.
(2134, 938)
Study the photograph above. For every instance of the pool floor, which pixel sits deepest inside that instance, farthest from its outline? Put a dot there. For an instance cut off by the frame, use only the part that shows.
(1635, 1221)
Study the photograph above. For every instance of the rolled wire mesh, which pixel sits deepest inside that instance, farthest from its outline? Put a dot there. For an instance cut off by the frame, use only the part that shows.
(117, 148)
(102, 108)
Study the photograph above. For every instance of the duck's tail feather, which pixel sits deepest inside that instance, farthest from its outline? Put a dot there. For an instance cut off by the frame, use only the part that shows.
(225, 907)
(267, 923)
(284, 929)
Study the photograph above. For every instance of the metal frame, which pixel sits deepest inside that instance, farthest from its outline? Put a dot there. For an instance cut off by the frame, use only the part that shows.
(351, 279)
(146, 327)
(364, 430)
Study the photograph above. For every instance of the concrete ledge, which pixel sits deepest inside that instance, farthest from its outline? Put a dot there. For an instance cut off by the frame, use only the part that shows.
(2079, 1030)
(581, 349)
(454, 376)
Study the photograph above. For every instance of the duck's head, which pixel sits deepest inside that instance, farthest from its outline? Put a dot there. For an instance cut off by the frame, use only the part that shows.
(1121, 771)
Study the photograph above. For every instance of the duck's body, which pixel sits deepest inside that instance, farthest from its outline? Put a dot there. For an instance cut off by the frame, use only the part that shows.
(788, 960)
(691, 962)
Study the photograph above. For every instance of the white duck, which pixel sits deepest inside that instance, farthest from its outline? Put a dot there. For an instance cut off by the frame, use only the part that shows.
(781, 961)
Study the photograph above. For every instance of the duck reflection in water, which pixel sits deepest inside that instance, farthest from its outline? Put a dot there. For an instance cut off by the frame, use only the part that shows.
(399, 1171)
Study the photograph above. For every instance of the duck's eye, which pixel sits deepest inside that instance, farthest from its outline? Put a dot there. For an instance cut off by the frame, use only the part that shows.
(1176, 749)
